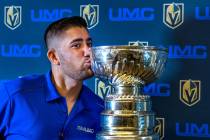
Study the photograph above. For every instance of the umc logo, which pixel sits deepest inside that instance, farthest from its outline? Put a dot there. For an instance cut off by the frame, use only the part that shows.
(160, 127)
(12, 16)
(190, 91)
(49, 15)
(193, 130)
(173, 14)
(202, 15)
(91, 14)
(128, 14)
(17, 50)
(186, 51)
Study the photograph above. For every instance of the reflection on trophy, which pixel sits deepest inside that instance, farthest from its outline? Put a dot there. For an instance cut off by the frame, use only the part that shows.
(128, 114)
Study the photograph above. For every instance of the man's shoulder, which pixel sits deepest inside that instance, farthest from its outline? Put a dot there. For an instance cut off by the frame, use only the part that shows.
(23, 83)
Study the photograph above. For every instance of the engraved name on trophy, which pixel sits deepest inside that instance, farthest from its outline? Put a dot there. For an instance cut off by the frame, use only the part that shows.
(128, 114)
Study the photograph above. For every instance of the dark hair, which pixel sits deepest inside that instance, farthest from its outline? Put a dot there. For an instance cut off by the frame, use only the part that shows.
(61, 25)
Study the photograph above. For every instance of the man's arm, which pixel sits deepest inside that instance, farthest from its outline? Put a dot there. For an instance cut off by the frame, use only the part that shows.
(4, 111)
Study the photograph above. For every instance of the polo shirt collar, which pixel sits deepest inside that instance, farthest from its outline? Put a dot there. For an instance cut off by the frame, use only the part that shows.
(51, 93)
(83, 101)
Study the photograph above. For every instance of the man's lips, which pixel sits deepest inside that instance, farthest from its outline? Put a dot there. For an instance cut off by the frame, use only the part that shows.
(87, 63)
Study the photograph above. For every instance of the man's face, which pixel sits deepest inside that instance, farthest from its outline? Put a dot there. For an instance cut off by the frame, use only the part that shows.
(74, 52)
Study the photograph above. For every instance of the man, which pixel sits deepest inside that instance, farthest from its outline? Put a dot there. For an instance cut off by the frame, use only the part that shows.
(57, 105)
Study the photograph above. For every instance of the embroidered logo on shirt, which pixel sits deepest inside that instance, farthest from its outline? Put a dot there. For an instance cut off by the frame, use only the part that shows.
(85, 129)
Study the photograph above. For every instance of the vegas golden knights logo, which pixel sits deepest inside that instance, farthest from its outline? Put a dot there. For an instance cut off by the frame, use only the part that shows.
(173, 14)
(160, 127)
(138, 43)
(102, 88)
(190, 91)
(12, 16)
(91, 14)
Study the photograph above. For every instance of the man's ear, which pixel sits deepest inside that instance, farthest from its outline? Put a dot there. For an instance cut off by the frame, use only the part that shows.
(53, 57)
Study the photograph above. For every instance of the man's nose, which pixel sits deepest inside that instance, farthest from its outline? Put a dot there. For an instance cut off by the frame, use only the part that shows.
(87, 50)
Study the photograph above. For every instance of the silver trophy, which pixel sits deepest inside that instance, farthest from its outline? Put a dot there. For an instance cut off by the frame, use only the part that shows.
(128, 114)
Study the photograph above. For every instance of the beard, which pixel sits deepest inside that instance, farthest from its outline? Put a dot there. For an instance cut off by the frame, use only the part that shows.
(87, 72)
(77, 71)
(84, 73)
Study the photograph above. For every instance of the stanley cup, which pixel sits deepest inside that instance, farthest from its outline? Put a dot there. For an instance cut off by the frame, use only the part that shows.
(128, 112)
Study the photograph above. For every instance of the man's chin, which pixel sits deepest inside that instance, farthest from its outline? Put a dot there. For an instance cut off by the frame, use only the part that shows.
(88, 74)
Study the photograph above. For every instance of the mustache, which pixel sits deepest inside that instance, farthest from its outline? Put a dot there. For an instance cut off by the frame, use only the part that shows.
(87, 60)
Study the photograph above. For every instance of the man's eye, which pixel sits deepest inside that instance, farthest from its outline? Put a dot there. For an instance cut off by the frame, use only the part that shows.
(75, 45)
(89, 44)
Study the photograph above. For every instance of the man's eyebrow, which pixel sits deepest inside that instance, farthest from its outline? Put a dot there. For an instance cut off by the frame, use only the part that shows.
(89, 39)
(76, 40)
(80, 39)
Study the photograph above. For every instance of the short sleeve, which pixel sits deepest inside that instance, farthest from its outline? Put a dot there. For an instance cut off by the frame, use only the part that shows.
(4, 110)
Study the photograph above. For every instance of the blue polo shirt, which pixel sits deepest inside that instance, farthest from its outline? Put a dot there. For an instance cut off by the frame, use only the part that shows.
(32, 109)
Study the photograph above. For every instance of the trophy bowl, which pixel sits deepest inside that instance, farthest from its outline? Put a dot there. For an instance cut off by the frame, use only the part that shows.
(128, 65)
(128, 112)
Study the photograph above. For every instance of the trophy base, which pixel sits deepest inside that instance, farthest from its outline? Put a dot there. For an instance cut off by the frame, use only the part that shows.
(125, 135)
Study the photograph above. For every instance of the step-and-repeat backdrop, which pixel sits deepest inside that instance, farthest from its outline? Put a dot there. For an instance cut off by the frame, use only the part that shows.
(181, 96)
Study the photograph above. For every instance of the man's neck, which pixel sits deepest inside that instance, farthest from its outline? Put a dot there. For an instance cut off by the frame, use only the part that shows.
(68, 88)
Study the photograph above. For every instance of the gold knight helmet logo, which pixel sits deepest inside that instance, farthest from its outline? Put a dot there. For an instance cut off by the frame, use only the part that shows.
(91, 14)
(102, 88)
(160, 127)
(173, 14)
(190, 91)
(12, 16)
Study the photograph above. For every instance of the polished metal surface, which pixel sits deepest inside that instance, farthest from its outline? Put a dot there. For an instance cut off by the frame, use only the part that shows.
(127, 120)
(128, 113)
(128, 102)
(125, 135)
(128, 64)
